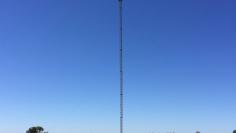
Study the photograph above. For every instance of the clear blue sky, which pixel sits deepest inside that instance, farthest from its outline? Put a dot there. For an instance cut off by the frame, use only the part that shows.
(59, 66)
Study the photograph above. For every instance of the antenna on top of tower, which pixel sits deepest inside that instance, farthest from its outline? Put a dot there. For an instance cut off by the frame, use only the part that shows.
(121, 63)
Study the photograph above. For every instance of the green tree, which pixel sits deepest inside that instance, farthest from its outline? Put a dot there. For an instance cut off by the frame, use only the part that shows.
(37, 129)
(234, 131)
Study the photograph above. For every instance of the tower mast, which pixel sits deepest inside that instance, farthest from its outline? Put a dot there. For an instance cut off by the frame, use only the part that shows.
(121, 64)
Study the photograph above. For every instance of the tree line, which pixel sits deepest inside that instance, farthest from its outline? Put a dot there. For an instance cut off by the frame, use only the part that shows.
(39, 129)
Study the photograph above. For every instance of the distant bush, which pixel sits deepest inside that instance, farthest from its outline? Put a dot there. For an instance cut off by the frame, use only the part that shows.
(37, 129)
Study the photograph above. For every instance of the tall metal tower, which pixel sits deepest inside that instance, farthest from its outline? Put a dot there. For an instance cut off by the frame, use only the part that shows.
(121, 64)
